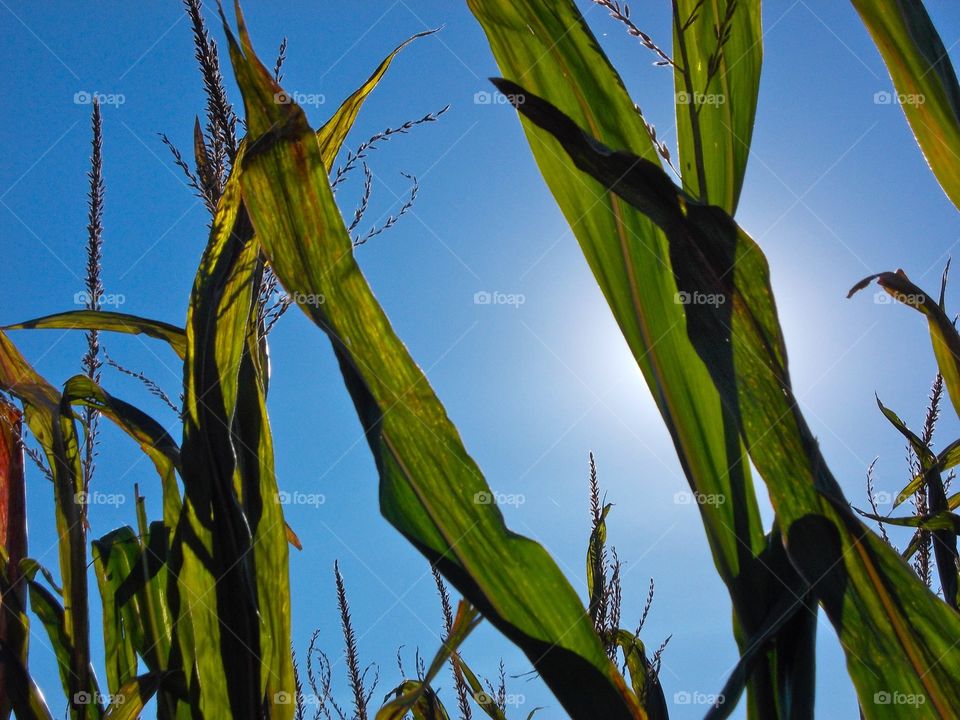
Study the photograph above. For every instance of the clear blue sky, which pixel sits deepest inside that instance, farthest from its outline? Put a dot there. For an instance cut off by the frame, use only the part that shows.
(836, 189)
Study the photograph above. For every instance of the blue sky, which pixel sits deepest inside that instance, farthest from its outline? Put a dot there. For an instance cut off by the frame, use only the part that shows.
(835, 189)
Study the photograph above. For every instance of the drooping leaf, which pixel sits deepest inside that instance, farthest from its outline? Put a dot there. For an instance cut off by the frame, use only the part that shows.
(429, 484)
(924, 81)
(150, 435)
(946, 340)
(941, 520)
(895, 632)
(109, 321)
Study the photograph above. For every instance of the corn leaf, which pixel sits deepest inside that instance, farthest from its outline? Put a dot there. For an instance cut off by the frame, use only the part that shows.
(595, 568)
(229, 550)
(130, 700)
(792, 620)
(51, 420)
(896, 634)
(109, 321)
(22, 692)
(549, 45)
(150, 435)
(947, 458)
(464, 622)
(943, 334)
(427, 705)
(718, 52)
(924, 79)
(484, 699)
(114, 557)
(923, 452)
(14, 623)
(333, 132)
(643, 678)
(429, 484)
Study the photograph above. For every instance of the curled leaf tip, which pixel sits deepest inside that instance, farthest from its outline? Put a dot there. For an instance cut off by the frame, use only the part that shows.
(862, 284)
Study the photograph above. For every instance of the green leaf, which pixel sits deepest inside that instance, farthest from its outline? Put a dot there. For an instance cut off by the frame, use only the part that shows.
(463, 624)
(549, 46)
(790, 623)
(947, 458)
(23, 694)
(53, 618)
(924, 79)
(18, 692)
(114, 557)
(130, 700)
(718, 53)
(150, 435)
(427, 705)
(922, 450)
(595, 569)
(645, 683)
(946, 340)
(332, 134)
(109, 321)
(230, 547)
(479, 693)
(944, 542)
(896, 634)
(431, 489)
(933, 521)
(51, 421)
